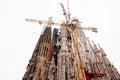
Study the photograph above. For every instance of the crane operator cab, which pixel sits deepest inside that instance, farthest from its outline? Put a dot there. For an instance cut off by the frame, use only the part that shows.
(74, 23)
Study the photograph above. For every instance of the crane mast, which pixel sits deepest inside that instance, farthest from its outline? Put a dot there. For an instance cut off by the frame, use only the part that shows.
(65, 14)
(79, 67)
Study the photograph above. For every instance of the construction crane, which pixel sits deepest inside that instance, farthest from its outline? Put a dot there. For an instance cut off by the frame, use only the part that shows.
(67, 24)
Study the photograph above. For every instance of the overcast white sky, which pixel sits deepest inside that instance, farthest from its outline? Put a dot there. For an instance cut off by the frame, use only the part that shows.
(18, 38)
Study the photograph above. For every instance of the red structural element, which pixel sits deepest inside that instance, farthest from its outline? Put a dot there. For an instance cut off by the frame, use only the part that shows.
(91, 75)
(52, 50)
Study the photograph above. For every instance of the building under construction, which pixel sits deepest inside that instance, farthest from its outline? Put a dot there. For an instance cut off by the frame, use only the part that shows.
(67, 54)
